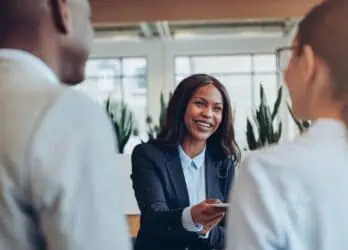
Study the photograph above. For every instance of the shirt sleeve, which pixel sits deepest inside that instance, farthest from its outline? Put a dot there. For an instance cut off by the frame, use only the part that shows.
(74, 178)
(187, 221)
(189, 225)
(255, 218)
(204, 236)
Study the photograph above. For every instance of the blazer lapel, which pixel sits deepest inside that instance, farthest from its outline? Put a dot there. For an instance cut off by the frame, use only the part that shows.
(211, 178)
(177, 177)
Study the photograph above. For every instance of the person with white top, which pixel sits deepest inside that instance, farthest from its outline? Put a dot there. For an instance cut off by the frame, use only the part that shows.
(58, 173)
(294, 195)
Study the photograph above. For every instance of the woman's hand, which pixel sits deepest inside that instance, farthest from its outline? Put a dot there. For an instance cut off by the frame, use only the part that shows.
(206, 215)
(210, 226)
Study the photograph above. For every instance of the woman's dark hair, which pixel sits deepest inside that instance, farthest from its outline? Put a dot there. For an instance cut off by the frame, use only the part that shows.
(325, 29)
(222, 142)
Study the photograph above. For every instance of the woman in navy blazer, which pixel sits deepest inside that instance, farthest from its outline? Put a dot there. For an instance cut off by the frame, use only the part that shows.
(190, 165)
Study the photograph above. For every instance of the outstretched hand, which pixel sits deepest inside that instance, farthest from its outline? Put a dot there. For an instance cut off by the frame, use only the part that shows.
(206, 215)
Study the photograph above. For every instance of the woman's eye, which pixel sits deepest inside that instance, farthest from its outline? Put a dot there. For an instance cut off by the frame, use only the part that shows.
(199, 104)
(218, 109)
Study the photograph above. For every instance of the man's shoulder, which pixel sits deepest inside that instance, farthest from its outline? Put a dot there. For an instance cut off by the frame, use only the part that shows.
(62, 100)
(73, 105)
(74, 116)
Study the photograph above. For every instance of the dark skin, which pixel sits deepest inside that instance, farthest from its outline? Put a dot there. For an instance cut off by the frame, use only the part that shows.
(60, 33)
(202, 118)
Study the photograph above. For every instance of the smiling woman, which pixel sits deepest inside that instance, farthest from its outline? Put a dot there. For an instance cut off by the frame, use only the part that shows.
(178, 177)
(200, 97)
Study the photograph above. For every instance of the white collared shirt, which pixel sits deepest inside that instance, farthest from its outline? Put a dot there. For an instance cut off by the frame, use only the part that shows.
(293, 196)
(35, 63)
(194, 173)
(58, 171)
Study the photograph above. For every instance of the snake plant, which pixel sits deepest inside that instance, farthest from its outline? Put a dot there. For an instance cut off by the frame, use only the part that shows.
(268, 128)
(154, 129)
(122, 120)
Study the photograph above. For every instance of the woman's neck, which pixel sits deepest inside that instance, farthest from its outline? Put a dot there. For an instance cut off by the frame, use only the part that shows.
(334, 113)
(192, 147)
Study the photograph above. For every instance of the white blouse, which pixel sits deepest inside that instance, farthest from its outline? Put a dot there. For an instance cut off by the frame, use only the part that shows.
(293, 195)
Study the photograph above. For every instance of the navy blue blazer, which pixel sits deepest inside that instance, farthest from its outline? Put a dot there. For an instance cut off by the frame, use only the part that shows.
(161, 192)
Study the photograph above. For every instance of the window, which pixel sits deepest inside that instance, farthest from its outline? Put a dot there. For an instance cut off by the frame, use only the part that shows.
(241, 75)
(121, 79)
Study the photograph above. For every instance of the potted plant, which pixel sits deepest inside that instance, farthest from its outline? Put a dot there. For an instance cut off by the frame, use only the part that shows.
(122, 120)
(268, 127)
(154, 129)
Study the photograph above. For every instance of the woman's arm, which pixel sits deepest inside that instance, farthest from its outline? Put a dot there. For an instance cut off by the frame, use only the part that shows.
(156, 215)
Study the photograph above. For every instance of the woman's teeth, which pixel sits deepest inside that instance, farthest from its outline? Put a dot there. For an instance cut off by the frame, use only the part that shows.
(204, 124)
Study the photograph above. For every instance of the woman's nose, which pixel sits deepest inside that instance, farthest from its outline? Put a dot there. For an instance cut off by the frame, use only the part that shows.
(207, 112)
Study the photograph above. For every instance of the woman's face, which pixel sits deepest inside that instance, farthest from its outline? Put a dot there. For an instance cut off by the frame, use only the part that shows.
(204, 113)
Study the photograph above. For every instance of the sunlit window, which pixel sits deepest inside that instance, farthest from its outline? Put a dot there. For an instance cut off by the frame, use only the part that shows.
(120, 79)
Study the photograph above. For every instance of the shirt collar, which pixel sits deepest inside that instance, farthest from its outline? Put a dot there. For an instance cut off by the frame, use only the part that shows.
(328, 127)
(198, 160)
(27, 58)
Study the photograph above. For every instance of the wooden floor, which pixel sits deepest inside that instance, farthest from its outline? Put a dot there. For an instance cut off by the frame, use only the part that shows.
(133, 224)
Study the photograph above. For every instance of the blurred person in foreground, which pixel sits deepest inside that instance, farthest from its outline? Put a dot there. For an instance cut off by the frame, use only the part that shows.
(294, 195)
(58, 179)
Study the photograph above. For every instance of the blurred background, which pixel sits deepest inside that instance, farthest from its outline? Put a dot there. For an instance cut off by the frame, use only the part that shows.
(143, 48)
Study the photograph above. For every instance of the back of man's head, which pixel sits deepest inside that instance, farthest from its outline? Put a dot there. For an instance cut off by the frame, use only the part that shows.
(57, 31)
(19, 14)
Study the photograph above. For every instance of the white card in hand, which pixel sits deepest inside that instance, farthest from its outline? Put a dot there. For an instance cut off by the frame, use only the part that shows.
(222, 205)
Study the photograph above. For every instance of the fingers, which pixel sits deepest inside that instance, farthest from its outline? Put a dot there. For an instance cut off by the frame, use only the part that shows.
(209, 219)
(212, 201)
(203, 212)
(212, 224)
(210, 210)
(215, 218)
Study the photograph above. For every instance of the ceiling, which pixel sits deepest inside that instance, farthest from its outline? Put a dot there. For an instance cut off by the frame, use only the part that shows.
(196, 29)
(108, 13)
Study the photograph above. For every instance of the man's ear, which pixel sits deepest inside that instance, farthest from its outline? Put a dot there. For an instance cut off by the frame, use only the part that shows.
(60, 14)
(308, 63)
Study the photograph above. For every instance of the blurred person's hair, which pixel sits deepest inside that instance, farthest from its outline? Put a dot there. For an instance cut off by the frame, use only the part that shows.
(325, 30)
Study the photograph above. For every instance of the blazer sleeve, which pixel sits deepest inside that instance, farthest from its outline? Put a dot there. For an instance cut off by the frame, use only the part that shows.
(217, 235)
(149, 193)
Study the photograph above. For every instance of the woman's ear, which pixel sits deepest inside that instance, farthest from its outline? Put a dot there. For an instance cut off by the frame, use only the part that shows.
(307, 63)
(60, 14)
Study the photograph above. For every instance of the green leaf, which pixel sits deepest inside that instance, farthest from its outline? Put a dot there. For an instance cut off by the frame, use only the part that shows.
(251, 136)
(269, 125)
(279, 133)
(264, 123)
(122, 123)
(263, 98)
(277, 103)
